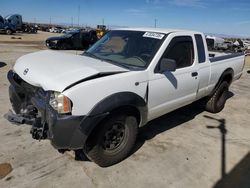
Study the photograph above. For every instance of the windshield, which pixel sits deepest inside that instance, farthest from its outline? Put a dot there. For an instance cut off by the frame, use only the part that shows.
(131, 49)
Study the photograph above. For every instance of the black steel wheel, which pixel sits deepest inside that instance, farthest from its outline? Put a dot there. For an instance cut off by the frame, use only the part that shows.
(114, 140)
(113, 137)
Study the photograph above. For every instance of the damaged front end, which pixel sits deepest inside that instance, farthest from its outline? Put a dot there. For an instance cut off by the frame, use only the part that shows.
(49, 120)
(23, 98)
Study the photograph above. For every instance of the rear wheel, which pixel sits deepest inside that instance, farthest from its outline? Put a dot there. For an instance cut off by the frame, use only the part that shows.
(217, 101)
(114, 140)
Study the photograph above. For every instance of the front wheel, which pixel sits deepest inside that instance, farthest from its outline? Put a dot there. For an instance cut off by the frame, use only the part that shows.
(217, 101)
(114, 140)
(8, 32)
(63, 46)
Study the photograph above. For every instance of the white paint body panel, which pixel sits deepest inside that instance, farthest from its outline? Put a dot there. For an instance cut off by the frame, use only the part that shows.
(55, 71)
(217, 68)
(171, 90)
(87, 94)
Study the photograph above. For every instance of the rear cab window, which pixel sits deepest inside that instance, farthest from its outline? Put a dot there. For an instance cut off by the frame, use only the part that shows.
(200, 48)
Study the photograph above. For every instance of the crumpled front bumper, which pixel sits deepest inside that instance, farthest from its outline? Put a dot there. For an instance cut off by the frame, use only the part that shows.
(65, 131)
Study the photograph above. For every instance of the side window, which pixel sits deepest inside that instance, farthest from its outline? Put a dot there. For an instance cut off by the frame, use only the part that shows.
(200, 48)
(76, 35)
(181, 49)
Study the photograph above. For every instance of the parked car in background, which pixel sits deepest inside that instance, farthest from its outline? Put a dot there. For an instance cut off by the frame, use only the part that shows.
(63, 31)
(238, 46)
(6, 28)
(15, 19)
(72, 40)
(229, 45)
(28, 28)
(215, 43)
(54, 30)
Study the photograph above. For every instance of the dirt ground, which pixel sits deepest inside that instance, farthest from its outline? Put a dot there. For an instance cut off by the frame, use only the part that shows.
(23, 38)
(187, 148)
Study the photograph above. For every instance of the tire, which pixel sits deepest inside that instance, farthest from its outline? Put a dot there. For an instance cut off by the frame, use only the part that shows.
(123, 129)
(8, 32)
(217, 101)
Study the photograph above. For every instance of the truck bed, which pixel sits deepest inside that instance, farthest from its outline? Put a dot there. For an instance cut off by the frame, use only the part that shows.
(222, 63)
(225, 57)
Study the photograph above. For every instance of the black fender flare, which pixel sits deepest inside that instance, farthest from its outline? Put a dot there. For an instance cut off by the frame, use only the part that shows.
(227, 72)
(117, 100)
(103, 108)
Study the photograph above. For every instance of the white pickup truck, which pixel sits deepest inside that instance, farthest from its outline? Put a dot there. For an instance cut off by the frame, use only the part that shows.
(95, 102)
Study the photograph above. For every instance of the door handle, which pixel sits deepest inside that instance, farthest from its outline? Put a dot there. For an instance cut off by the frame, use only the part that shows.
(194, 74)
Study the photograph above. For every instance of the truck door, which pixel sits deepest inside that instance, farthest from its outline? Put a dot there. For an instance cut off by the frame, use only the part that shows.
(171, 90)
(76, 40)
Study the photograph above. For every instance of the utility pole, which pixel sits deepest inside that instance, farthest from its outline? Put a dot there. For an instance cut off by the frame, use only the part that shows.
(71, 21)
(155, 22)
(78, 14)
(50, 20)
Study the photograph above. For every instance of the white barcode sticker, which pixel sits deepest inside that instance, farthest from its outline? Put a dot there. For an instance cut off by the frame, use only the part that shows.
(153, 35)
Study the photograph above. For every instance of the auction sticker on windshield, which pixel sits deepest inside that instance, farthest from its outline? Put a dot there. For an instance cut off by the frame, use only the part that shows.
(153, 35)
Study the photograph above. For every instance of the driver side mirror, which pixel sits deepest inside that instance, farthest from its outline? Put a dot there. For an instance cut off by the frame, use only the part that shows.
(167, 65)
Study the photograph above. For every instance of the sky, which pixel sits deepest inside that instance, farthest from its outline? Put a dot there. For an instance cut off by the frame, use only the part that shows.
(229, 17)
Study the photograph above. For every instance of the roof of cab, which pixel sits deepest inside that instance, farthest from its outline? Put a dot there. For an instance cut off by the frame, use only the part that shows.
(158, 30)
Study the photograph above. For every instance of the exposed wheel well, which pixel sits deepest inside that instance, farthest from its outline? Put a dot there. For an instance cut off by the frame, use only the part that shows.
(127, 109)
(227, 76)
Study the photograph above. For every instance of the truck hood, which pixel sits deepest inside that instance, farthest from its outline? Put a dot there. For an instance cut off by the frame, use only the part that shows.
(55, 38)
(56, 71)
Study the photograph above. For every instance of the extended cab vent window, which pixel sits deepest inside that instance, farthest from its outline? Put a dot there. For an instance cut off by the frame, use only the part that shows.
(181, 50)
(200, 48)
